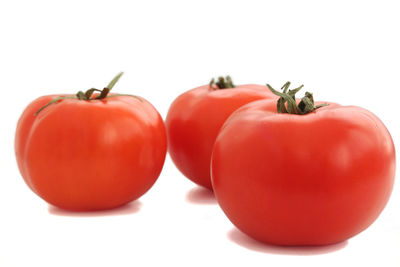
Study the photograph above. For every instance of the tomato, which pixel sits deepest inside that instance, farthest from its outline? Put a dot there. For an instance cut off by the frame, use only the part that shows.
(90, 154)
(194, 119)
(311, 179)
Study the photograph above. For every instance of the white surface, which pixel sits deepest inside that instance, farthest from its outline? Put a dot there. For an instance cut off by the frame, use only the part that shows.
(343, 51)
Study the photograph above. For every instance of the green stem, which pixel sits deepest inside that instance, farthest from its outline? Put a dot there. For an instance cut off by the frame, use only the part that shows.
(222, 83)
(88, 94)
(114, 81)
(55, 100)
(287, 101)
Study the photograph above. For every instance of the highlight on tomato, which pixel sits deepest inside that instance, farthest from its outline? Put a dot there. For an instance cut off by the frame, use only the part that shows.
(91, 151)
(292, 172)
(194, 119)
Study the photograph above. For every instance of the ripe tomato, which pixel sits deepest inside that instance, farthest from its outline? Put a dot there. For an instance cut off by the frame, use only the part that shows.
(90, 154)
(194, 119)
(310, 179)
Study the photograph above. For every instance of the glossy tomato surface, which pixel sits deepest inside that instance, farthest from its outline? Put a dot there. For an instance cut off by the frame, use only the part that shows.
(311, 179)
(193, 122)
(90, 155)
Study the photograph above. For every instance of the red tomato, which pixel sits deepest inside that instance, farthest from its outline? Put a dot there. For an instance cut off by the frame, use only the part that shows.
(312, 179)
(90, 154)
(193, 122)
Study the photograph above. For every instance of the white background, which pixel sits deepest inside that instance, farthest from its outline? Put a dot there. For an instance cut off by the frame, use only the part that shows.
(343, 51)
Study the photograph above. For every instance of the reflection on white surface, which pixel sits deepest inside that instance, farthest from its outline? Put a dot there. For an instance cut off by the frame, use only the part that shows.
(130, 208)
(200, 196)
(249, 243)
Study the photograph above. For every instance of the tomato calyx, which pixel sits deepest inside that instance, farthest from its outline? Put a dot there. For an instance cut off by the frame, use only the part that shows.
(287, 101)
(221, 83)
(88, 94)
(103, 93)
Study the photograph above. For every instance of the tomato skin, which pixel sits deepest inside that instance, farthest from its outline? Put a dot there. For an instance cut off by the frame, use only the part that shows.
(193, 122)
(90, 155)
(23, 128)
(312, 179)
